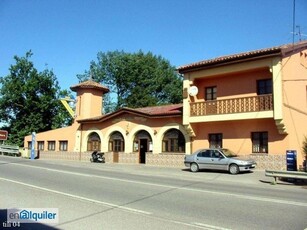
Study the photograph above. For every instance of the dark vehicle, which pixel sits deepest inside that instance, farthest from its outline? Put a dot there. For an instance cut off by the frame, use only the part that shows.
(217, 159)
(98, 157)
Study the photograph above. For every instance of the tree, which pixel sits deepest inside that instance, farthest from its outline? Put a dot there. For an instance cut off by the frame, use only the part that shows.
(136, 79)
(28, 100)
(62, 117)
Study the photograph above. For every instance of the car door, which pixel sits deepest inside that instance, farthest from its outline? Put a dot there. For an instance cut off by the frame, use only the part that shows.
(203, 159)
(218, 160)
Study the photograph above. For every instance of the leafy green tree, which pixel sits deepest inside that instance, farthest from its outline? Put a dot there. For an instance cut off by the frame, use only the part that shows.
(28, 100)
(62, 117)
(136, 79)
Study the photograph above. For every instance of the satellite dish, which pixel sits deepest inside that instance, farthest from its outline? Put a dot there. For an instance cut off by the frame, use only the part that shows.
(193, 90)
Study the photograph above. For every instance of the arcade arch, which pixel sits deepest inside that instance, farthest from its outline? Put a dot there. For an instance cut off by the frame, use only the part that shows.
(116, 142)
(173, 141)
(142, 143)
(93, 142)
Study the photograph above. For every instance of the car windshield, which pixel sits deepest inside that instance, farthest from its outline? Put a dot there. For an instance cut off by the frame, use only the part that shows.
(229, 153)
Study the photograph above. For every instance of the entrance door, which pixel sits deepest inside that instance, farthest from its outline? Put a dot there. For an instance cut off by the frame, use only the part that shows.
(143, 150)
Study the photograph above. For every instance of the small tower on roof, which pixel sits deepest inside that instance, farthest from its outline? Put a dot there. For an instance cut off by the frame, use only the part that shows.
(89, 99)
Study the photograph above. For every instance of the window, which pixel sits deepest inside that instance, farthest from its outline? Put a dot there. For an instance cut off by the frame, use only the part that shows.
(63, 145)
(215, 140)
(264, 86)
(116, 142)
(29, 144)
(173, 141)
(40, 145)
(117, 145)
(206, 153)
(260, 142)
(51, 145)
(210, 93)
(215, 154)
(93, 142)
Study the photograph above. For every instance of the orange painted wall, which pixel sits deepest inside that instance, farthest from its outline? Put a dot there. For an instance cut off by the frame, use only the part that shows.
(89, 103)
(237, 135)
(294, 70)
(233, 85)
(62, 134)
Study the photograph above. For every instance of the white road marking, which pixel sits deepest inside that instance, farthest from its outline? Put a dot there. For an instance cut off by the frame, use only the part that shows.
(254, 198)
(197, 225)
(78, 197)
(211, 227)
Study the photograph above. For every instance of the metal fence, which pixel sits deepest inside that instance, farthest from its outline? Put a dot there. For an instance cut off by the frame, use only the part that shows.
(10, 150)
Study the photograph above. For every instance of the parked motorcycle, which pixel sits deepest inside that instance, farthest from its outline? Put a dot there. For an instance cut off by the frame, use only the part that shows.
(98, 157)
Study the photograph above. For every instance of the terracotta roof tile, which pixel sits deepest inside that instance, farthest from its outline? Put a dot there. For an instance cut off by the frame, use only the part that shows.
(240, 56)
(89, 85)
(153, 111)
(162, 109)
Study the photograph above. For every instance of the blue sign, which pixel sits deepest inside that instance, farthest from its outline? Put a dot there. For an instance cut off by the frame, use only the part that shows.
(33, 146)
(291, 160)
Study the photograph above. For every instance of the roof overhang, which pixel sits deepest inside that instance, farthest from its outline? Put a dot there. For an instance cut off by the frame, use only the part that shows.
(279, 51)
(134, 112)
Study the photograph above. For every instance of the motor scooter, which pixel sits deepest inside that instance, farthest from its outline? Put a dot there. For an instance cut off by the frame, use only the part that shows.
(97, 157)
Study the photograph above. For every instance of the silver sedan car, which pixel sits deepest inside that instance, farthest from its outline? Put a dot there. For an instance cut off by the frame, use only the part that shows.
(217, 159)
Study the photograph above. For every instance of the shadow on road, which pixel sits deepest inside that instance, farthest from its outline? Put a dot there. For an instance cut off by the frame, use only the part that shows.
(287, 181)
(215, 171)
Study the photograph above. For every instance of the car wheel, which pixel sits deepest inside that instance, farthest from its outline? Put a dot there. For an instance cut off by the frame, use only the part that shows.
(234, 169)
(194, 167)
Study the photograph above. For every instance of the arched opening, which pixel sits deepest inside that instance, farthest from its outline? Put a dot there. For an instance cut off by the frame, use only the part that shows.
(173, 141)
(142, 143)
(93, 142)
(116, 142)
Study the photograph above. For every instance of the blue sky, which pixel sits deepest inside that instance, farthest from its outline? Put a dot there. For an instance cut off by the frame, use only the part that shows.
(65, 35)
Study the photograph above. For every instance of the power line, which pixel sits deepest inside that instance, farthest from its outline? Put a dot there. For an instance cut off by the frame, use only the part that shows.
(293, 21)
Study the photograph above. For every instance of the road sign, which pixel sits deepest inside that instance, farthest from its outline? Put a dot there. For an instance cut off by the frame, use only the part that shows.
(3, 135)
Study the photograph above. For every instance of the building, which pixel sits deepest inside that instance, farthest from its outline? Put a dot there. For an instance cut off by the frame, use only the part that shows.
(254, 103)
(126, 136)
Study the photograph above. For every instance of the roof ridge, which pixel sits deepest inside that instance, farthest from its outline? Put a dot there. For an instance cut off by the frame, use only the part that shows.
(90, 84)
(224, 58)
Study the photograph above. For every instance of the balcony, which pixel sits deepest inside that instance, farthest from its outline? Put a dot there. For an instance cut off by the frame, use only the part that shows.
(232, 106)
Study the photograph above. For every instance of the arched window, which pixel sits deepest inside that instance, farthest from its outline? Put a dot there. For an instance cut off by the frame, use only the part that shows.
(116, 142)
(93, 142)
(173, 141)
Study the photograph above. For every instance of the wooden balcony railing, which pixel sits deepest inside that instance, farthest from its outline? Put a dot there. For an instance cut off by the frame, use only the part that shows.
(234, 105)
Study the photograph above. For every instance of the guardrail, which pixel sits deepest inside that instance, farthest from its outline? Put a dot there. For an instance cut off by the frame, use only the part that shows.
(285, 174)
(9, 150)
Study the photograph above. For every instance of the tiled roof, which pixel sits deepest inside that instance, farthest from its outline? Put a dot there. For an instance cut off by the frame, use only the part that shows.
(162, 109)
(153, 111)
(277, 50)
(89, 85)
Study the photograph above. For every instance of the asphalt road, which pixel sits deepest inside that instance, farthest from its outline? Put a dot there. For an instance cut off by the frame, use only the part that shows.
(119, 196)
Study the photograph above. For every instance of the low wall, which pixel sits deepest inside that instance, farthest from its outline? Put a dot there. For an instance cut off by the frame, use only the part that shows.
(73, 156)
(264, 161)
(274, 162)
(129, 158)
(165, 159)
